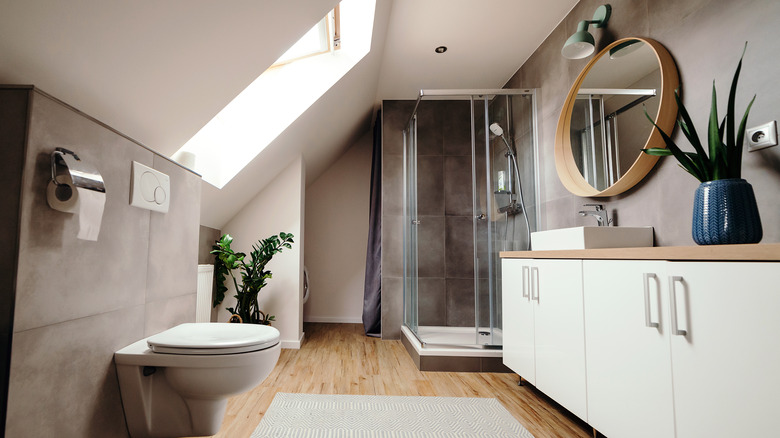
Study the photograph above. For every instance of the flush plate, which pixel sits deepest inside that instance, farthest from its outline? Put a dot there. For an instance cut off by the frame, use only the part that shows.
(149, 188)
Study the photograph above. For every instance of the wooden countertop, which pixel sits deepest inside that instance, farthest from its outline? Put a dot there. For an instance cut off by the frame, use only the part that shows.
(753, 252)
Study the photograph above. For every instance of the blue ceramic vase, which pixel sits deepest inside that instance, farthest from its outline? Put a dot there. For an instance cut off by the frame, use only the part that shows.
(725, 212)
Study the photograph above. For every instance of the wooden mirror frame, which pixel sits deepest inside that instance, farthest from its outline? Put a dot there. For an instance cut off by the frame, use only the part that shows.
(569, 173)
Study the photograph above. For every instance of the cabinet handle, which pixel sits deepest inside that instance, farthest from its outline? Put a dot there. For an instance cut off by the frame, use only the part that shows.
(648, 322)
(526, 283)
(535, 279)
(673, 305)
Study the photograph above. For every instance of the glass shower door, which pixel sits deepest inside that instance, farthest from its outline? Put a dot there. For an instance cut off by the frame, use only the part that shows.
(411, 222)
(484, 260)
(461, 208)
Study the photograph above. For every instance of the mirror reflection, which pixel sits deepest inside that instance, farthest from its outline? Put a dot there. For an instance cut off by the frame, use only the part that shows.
(608, 124)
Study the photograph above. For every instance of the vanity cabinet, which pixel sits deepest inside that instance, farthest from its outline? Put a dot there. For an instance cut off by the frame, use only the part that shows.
(518, 318)
(726, 351)
(628, 352)
(542, 308)
(666, 346)
(681, 349)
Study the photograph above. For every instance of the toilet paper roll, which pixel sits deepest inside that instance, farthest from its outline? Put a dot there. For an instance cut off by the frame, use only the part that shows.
(62, 197)
(90, 205)
(87, 204)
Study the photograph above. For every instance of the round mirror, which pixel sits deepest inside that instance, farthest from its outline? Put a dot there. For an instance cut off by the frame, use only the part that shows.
(603, 126)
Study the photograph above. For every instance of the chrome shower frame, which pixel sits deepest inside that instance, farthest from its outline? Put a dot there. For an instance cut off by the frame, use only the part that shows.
(472, 95)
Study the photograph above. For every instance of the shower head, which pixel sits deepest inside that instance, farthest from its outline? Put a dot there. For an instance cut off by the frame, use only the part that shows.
(496, 129)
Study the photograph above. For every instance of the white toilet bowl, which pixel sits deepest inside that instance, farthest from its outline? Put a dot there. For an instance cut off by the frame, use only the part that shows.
(176, 383)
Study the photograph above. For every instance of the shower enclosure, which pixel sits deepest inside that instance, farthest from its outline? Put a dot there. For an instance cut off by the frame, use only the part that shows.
(470, 187)
(596, 143)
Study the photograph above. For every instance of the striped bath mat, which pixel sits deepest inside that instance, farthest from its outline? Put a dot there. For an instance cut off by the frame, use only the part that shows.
(375, 416)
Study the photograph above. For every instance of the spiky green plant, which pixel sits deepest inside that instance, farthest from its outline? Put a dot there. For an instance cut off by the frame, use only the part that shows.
(724, 143)
(253, 273)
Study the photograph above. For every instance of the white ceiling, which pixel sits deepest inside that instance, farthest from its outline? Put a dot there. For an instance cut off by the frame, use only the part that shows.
(487, 42)
(159, 70)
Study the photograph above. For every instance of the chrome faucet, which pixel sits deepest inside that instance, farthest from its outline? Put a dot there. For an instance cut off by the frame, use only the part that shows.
(599, 213)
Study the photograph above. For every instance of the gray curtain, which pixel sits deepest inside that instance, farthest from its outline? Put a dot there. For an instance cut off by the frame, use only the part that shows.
(372, 291)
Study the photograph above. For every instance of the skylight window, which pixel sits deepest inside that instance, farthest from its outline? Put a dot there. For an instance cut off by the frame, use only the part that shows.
(256, 117)
(322, 38)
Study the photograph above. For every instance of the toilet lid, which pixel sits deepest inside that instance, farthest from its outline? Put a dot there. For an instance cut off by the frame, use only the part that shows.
(214, 338)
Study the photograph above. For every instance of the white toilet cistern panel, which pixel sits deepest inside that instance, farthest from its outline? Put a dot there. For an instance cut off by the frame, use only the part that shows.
(150, 188)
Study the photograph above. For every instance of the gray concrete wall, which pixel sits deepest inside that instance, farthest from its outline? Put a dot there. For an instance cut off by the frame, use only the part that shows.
(78, 301)
(705, 38)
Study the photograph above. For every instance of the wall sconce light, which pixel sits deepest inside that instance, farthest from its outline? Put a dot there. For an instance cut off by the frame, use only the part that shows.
(582, 44)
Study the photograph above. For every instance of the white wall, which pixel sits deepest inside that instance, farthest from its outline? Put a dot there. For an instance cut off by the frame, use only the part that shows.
(337, 205)
(278, 207)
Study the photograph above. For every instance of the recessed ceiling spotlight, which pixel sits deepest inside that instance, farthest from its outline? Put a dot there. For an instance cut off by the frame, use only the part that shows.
(440, 49)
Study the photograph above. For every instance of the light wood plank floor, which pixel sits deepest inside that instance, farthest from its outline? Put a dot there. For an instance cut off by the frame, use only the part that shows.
(340, 359)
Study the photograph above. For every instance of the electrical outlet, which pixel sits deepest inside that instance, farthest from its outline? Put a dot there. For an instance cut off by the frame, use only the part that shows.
(762, 136)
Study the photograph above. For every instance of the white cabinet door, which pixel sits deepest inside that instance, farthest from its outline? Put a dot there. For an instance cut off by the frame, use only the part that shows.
(544, 340)
(628, 354)
(518, 318)
(556, 288)
(726, 353)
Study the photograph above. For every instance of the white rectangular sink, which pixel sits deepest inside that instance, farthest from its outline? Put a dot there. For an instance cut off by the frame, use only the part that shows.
(592, 237)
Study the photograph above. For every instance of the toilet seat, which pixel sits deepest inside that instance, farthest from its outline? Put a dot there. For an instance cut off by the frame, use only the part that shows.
(214, 339)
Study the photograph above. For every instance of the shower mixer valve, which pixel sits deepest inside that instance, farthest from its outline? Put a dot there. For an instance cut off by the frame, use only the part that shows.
(513, 208)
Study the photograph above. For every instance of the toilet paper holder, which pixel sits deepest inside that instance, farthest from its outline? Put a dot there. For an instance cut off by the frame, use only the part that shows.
(81, 174)
(77, 188)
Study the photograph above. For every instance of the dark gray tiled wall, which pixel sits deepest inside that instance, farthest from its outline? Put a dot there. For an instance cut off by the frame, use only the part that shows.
(434, 295)
(693, 32)
(78, 301)
(432, 247)
(430, 185)
(444, 210)
(457, 201)
(456, 190)
(460, 247)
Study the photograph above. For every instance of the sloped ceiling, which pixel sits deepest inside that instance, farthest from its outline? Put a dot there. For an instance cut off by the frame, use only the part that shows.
(154, 70)
(159, 70)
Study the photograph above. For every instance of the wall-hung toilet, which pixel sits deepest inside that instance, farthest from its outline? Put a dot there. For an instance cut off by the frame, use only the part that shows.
(176, 383)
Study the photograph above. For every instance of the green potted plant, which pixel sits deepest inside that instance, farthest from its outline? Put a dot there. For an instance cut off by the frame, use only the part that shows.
(253, 275)
(725, 210)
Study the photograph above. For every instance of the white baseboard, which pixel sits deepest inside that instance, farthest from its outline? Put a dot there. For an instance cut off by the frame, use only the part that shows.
(293, 345)
(335, 319)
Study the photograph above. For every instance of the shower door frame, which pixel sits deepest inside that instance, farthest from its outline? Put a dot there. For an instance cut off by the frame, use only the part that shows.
(409, 223)
(410, 270)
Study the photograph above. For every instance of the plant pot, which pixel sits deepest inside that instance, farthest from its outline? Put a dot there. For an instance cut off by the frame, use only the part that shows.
(725, 212)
